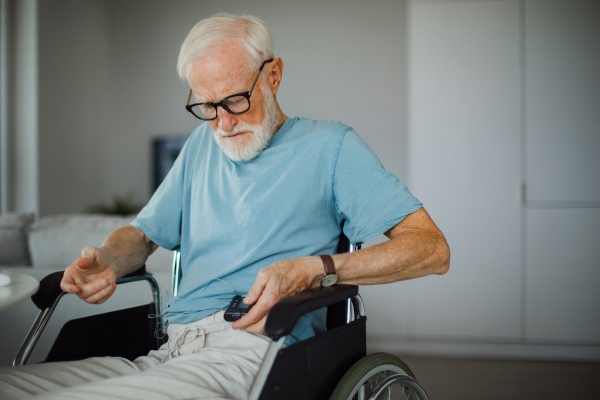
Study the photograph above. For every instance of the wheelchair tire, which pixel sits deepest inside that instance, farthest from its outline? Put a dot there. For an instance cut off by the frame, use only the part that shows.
(366, 374)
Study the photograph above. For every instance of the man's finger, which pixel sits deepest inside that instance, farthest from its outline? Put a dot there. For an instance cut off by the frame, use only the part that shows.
(90, 289)
(101, 296)
(67, 283)
(69, 287)
(257, 288)
(251, 318)
(259, 327)
(88, 257)
(78, 280)
(256, 313)
(89, 252)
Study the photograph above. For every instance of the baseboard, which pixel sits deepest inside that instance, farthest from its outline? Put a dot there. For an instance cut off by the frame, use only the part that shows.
(487, 350)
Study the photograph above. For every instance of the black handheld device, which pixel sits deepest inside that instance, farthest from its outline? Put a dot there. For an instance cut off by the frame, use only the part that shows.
(236, 309)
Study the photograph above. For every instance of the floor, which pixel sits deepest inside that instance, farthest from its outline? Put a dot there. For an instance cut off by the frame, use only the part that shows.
(452, 379)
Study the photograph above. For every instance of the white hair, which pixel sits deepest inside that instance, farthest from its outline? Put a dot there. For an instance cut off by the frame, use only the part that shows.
(253, 33)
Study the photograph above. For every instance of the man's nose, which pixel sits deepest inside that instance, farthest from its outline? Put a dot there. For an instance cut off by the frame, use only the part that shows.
(226, 120)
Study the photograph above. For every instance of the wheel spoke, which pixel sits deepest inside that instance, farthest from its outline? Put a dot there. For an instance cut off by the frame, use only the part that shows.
(393, 372)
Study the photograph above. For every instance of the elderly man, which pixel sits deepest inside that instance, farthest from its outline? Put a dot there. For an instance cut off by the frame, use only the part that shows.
(253, 201)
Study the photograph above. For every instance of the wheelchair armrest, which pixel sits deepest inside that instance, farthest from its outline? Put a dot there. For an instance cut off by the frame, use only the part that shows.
(50, 289)
(284, 315)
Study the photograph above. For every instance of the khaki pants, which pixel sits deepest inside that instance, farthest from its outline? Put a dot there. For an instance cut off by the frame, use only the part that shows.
(205, 359)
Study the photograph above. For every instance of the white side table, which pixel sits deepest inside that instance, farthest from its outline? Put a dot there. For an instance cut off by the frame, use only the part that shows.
(20, 288)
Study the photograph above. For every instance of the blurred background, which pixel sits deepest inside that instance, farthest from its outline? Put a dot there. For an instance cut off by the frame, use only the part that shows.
(488, 110)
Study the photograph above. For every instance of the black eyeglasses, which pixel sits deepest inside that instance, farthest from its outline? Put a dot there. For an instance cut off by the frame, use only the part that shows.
(237, 103)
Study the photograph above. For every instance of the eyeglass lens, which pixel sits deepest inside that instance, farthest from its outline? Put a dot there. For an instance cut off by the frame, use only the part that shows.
(234, 105)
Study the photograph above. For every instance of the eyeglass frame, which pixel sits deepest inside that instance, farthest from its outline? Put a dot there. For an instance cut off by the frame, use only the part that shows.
(245, 94)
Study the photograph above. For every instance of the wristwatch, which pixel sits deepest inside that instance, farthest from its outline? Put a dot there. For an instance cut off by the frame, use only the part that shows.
(331, 276)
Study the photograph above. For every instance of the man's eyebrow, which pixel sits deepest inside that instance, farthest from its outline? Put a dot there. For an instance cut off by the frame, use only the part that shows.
(200, 101)
(218, 101)
(207, 101)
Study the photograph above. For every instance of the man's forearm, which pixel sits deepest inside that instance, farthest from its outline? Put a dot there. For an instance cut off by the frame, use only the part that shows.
(404, 257)
(416, 248)
(129, 249)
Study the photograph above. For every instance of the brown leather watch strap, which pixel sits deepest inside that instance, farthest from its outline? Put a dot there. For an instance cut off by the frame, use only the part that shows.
(328, 263)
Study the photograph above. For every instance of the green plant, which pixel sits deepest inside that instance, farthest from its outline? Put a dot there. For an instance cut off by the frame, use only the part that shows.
(120, 205)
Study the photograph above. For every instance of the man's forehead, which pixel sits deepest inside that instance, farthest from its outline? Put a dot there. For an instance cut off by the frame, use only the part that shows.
(220, 73)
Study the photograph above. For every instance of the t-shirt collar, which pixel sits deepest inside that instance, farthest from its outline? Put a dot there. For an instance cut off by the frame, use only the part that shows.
(284, 128)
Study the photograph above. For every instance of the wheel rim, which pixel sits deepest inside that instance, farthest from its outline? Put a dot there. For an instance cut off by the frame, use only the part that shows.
(379, 376)
(364, 388)
(409, 388)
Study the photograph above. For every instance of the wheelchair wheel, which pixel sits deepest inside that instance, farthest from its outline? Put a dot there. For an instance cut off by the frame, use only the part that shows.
(379, 376)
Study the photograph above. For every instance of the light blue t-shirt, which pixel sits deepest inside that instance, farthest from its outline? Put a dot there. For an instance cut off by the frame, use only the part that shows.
(230, 219)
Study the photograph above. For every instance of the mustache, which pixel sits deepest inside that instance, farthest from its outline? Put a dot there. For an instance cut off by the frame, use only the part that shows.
(239, 128)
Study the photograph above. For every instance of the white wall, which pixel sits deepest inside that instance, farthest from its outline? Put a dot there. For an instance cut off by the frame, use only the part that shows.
(108, 83)
(74, 97)
(482, 104)
(464, 164)
(504, 144)
(22, 140)
(562, 42)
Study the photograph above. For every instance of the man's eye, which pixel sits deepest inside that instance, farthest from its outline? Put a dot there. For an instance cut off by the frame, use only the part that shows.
(235, 100)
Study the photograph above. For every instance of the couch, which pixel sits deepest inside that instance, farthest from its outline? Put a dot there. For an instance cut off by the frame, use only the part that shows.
(37, 247)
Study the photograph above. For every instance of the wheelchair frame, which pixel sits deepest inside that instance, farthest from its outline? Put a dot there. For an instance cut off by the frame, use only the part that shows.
(350, 378)
(49, 294)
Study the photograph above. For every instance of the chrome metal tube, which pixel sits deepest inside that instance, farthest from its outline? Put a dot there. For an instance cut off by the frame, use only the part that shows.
(156, 295)
(176, 272)
(265, 368)
(355, 246)
(34, 333)
(349, 311)
(359, 306)
(42, 319)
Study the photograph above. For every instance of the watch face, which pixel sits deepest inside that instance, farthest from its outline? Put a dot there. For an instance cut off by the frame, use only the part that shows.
(329, 280)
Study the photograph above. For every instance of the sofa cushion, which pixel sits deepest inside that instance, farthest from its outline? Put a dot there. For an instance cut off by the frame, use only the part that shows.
(58, 240)
(13, 239)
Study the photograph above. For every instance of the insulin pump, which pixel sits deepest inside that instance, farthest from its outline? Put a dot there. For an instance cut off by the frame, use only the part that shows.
(236, 309)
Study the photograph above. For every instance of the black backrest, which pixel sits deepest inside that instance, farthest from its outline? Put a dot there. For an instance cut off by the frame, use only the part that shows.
(127, 333)
(336, 313)
(344, 242)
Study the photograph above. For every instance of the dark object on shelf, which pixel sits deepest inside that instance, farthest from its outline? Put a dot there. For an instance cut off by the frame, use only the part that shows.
(164, 152)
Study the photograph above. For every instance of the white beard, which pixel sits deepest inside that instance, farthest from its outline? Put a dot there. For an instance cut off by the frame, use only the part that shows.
(249, 146)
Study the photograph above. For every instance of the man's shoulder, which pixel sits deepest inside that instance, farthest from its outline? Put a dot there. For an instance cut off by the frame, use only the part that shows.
(324, 130)
(322, 125)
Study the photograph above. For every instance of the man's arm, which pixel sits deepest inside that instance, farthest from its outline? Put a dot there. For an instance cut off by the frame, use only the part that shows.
(416, 248)
(93, 276)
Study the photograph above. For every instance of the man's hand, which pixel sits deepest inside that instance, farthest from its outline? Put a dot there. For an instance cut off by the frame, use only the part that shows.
(275, 282)
(90, 277)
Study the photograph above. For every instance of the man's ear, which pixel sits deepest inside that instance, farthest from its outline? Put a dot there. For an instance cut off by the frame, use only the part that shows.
(275, 74)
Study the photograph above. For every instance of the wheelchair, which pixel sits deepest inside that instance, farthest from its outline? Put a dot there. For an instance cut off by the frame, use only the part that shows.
(333, 365)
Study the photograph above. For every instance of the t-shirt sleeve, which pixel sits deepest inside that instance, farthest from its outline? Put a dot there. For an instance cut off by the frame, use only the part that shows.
(368, 197)
(160, 219)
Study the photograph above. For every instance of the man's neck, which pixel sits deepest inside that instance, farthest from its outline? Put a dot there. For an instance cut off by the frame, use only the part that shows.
(281, 118)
